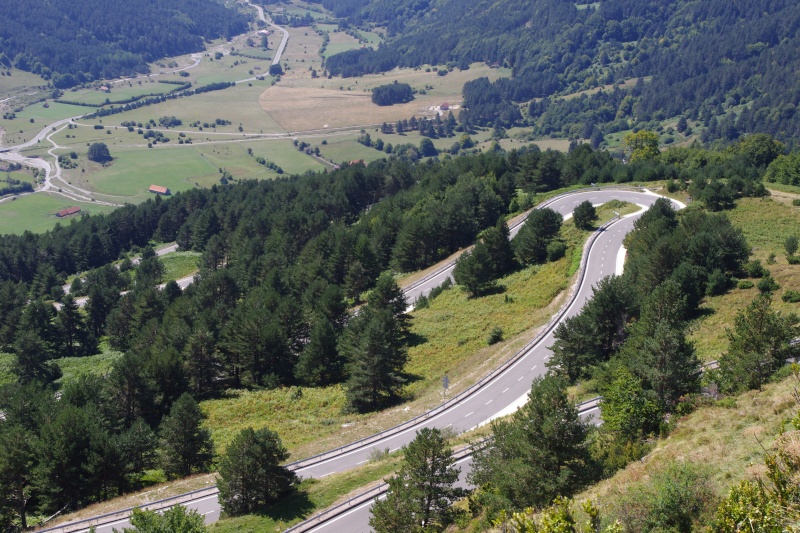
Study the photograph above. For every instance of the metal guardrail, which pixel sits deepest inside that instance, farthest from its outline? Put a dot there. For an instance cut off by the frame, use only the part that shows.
(125, 513)
(361, 443)
(379, 490)
(465, 394)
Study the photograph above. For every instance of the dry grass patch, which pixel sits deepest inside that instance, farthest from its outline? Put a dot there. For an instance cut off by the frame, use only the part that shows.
(765, 223)
(299, 109)
(730, 441)
(152, 494)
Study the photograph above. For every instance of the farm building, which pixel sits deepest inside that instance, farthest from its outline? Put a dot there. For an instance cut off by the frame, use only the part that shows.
(158, 189)
(68, 211)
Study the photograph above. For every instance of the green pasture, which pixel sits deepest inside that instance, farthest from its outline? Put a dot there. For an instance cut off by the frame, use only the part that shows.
(36, 212)
(19, 82)
(178, 265)
(132, 172)
(118, 92)
(237, 104)
(42, 117)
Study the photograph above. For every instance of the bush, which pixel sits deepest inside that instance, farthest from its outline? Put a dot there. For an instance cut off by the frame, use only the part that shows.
(755, 269)
(746, 284)
(791, 296)
(673, 499)
(768, 284)
(796, 202)
(556, 250)
(495, 336)
(717, 283)
(672, 186)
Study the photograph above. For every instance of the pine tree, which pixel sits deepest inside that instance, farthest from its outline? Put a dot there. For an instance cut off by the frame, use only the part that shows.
(530, 244)
(421, 494)
(202, 362)
(475, 271)
(498, 245)
(575, 350)
(17, 459)
(186, 447)
(32, 362)
(584, 214)
(374, 344)
(539, 453)
(250, 472)
(73, 336)
(319, 362)
(759, 345)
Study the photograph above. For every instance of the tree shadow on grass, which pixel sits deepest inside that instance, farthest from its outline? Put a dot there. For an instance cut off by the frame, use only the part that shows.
(296, 505)
(415, 339)
(497, 288)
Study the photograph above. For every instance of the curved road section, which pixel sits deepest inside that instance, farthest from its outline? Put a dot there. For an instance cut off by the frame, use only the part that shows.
(284, 40)
(504, 391)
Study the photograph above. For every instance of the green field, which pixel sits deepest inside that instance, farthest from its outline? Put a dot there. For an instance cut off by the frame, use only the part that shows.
(178, 265)
(765, 223)
(99, 365)
(238, 104)
(19, 82)
(71, 367)
(118, 92)
(42, 116)
(343, 149)
(133, 171)
(6, 364)
(36, 212)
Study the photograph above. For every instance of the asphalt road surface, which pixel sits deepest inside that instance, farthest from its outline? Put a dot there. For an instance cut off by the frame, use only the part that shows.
(502, 395)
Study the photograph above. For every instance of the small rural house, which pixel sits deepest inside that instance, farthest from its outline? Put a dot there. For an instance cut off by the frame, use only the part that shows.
(158, 189)
(67, 211)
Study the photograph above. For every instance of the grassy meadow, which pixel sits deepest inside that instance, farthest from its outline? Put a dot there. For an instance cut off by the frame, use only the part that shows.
(765, 223)
(178, 265)
(118, 92)
(451, 335)
(36, 212)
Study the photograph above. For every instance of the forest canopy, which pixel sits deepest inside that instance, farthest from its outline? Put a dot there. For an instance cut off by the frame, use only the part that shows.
(724, 63)
(71, 42)
(392, 93)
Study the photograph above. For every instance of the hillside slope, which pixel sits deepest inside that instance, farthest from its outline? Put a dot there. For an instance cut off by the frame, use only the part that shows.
(75, 41)
(723, 63)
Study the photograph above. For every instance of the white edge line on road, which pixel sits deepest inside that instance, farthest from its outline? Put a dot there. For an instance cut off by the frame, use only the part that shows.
(442, 413)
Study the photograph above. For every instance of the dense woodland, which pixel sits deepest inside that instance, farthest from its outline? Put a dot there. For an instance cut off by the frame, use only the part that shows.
(281, 263)
(71, 42)
(630, 340)
(727, 64)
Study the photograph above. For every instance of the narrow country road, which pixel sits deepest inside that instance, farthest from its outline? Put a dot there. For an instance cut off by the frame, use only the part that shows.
(284, 40)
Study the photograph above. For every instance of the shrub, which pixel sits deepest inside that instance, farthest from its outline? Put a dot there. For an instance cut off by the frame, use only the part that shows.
(673, 499)
(796, 202)
(495, 336)
(556, 250)
(768, 284)
(746, 284)
(791, 296)
(717, 283)
(755, 269)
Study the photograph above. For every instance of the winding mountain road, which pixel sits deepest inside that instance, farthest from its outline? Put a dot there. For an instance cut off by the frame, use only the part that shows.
(499, 394)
